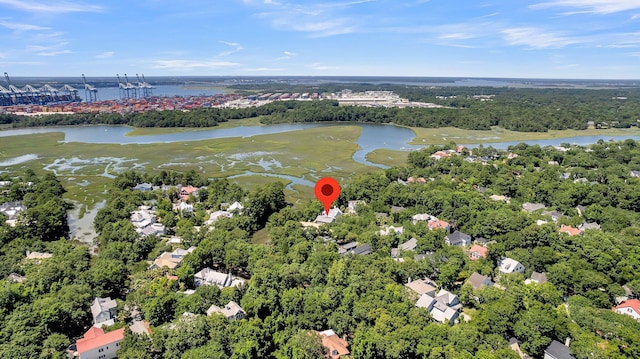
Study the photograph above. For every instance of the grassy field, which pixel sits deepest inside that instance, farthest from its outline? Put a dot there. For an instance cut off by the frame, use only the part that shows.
(390, 158)
(85, 168)
(434, 136)
(147, 131)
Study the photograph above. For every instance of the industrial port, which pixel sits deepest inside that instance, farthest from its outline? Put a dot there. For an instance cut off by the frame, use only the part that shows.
(30, 100)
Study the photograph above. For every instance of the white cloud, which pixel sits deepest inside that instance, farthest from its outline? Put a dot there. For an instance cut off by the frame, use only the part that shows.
(105, 55)
(320, 67)
(316, 19)
(192, 64)
(537, 38)
(52, 7)
(261, 69)
(591, 6)
(289, 53)
(23, 27)
(236, 47)
(53, 53)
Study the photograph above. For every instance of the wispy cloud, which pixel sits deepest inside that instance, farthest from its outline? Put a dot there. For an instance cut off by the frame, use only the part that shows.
(23, 27)
(236, 47)
(105, 55)
(287, 55)
(316, 19)
(192, 64)
(537, 38)
(51, 7)
(53, 53)
(321, 67)
(591, 6)
(261, 69)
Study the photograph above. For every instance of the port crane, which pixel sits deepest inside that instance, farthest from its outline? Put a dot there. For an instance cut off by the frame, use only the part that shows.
(90, 92)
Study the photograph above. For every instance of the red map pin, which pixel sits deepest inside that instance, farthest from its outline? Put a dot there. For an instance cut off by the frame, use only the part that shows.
(327, 190)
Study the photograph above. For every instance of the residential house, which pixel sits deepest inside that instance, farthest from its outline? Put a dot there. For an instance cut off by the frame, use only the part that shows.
(592, 225)
(155, 229)
(388, 230)
(96, 344)
(397, 209)
(183, 206)
(572, 231)
(536, 277)
(12, 211)
(352, 206)
(15, 277)
(423, 286)
(444, 307)
(442, 154)
(481, 241)
(439, 224)
(360, 250)
(38, 256)
(557, 350)
(514, 344)
(215, 216)
(500, 198)
(187, 191)
(635, 174)
(171, 260)
(416, 180)
(343, 249)
(324, 218)
(555, 216)
(335, 346)
(103, 311)
(231, 311)
(208, 276)
(477, 281)
(142, 218)
(457, 238)
(235, 207)
(629, 307)
(532, 207)
(508, 265)
(422, 217)
(477, 251)
(144, 187)
(409, 245)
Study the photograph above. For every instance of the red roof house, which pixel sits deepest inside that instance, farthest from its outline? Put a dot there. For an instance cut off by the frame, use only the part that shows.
(336, 346)
(477, 251)
(98, 344)
(629, 307)
(570, 230)
(185, 192)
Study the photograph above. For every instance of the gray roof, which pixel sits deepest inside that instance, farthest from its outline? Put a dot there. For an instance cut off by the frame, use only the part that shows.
(478, 280)
(558, 350)
(396, 209)
(531, 207)
(458, 237)
(539, 277)
(100, 305)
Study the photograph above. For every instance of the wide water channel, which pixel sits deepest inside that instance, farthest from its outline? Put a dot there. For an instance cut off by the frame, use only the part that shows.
(373, 136)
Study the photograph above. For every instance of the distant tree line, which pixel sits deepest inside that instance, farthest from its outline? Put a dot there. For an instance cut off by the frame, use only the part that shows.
(517, 109)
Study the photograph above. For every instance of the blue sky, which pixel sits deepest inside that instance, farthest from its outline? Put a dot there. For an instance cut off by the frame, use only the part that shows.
(493, 38)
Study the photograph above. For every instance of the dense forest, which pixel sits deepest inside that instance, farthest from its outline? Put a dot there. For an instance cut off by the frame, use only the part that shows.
(297, 282)
(517, 109)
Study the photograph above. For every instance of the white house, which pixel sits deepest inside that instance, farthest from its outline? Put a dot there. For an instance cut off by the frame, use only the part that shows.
(630, 308)
(231, 311)
(103, 311)
(208, 276)
(508, 265)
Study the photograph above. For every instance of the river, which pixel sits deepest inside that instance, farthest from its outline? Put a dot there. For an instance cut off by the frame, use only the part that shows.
(373, 137)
